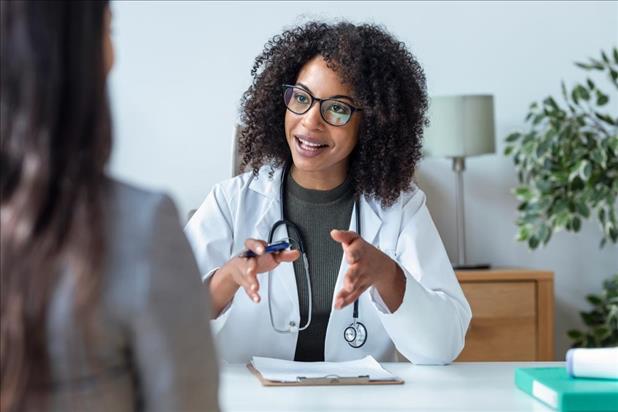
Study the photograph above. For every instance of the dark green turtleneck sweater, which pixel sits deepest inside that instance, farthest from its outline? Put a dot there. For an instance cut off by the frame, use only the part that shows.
(316, 213)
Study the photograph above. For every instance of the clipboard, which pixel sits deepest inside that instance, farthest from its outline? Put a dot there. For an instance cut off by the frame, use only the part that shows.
(324, 381)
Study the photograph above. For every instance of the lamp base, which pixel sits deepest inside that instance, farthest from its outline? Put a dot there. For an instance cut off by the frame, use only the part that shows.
(478, 266)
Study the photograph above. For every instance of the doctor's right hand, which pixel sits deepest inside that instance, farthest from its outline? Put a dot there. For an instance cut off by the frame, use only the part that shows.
(242, 272)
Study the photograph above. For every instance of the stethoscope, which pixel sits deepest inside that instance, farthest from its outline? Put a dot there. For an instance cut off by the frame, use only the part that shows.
(356, 333)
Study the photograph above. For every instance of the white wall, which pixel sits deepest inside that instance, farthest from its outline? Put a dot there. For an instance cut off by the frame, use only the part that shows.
(181, 69)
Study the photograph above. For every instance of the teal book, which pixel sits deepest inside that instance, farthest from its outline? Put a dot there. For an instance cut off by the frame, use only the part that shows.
(557, 389)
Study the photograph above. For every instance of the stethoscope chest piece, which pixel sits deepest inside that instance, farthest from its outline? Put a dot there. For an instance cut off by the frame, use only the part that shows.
(355, 334)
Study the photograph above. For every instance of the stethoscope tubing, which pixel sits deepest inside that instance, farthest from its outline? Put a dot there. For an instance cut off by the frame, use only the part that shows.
(289, 224)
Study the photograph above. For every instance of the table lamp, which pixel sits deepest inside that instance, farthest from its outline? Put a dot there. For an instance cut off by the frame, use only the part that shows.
(461, 126)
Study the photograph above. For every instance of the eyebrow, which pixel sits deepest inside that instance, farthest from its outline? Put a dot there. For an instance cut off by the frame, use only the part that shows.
(338, 96)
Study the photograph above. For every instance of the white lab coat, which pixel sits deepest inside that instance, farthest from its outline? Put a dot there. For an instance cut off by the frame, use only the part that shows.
(429, 326)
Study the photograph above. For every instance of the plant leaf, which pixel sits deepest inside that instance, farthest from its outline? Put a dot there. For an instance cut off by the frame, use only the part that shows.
(576, 224)
(584, 66)
(585, 170)
(583, 209)
(594, 300)
(590, 83)
(606, 118)
(544, 234)
(575, 334)
(523, 233)
(513, 137)
(583, 92)
(601, 332)
(523, 193)
(602, 99)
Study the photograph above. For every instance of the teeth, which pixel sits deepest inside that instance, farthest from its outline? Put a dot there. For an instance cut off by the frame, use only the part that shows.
(309, 143)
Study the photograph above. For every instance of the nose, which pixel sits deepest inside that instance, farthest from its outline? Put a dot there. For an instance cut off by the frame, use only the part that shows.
(312, 119)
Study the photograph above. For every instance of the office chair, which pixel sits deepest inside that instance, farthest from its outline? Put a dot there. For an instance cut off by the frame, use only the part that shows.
(234, 154)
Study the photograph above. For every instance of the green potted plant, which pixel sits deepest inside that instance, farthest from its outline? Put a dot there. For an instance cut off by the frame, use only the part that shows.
(602, 320)
(567, 167)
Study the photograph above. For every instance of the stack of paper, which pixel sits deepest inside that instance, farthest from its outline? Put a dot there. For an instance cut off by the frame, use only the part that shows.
(290, 371)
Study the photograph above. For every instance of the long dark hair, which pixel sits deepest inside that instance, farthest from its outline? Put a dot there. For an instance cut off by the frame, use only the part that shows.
(55, 142)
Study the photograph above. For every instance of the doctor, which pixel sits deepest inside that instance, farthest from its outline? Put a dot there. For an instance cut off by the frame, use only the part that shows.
(332, 132)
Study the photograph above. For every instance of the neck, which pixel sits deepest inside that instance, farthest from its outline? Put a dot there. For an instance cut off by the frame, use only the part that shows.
(319, 180)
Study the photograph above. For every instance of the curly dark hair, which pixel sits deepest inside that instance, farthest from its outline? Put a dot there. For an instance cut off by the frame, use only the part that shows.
(388, 83)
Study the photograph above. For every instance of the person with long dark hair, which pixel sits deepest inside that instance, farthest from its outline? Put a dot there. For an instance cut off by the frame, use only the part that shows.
(332, 131)
(102, 307)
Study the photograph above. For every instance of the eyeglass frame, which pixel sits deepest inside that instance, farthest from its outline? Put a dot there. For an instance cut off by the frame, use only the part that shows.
(321, 101)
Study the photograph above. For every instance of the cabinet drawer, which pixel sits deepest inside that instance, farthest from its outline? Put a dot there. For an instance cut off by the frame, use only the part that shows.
(503, 325)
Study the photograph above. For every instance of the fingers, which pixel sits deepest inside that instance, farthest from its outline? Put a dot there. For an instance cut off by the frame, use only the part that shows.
(251, 290)
(257, 246)
(344, 298)
(351, 243)
(353, 286)
(248, 278)
(249, 268)
(251, 273)
(344, 236)
(351, 280)
(286, 256)
(352, 254)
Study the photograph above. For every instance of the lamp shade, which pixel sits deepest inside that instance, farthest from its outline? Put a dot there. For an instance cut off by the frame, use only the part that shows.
(460, 126)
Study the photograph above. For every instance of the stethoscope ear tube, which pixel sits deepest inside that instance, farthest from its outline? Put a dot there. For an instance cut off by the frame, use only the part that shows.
(292, 328)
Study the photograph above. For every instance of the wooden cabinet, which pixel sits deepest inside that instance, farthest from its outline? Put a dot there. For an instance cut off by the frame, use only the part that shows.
(512, 315)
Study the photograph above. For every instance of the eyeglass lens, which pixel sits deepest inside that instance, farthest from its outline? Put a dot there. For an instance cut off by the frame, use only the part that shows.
(300, 101)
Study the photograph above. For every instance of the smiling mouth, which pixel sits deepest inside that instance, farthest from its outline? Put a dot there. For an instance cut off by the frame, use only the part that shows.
(307, 145)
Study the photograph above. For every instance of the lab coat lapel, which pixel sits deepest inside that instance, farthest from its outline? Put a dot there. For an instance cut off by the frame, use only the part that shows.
(268, 187)
(370, 221)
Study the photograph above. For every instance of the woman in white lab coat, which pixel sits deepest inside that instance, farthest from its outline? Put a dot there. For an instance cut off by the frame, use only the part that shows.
(332, 124)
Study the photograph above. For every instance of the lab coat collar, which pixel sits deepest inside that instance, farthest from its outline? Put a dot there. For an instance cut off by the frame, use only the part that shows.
(269, 187)
(266, 185)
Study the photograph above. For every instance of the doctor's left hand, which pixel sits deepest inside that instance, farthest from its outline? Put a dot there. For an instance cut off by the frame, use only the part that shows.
(368, 266)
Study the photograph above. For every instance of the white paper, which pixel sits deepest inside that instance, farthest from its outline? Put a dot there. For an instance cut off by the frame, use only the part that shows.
(289, 371)
(547, 395)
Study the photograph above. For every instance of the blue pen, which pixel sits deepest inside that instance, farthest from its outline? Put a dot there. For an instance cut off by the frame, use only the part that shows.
(272, 248)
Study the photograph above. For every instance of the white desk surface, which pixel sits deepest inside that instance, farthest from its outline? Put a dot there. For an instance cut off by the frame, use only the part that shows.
(465, 386)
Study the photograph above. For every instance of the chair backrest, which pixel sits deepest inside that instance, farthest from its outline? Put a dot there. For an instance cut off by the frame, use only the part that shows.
(235, 155)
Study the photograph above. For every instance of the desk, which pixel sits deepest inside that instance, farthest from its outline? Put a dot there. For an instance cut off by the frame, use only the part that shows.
(474, 387)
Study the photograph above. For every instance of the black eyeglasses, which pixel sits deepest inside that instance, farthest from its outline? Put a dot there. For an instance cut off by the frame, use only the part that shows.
(334, 112)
